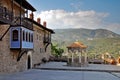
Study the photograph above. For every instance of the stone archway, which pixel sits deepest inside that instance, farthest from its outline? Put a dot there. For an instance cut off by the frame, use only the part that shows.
(29, 60)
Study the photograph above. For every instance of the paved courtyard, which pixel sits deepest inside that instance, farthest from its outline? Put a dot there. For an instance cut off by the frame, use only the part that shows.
(90, 67)
(53, 74)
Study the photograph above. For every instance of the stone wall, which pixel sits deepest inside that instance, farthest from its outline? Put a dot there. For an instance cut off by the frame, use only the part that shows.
(39, 47)
(8, 58)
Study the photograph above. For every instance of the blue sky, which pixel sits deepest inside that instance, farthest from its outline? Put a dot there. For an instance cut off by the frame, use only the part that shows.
(91, 14)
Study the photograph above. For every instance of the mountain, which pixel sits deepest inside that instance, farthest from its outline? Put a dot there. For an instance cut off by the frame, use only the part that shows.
(82, 34)
(98, 41)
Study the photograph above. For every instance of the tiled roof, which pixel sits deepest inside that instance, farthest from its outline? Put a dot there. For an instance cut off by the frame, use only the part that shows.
(77, 45)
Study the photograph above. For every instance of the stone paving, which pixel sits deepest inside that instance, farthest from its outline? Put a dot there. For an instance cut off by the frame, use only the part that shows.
(39, 74)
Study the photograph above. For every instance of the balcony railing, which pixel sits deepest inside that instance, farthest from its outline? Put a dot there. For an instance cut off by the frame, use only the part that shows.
(5, 15)
(24, 22)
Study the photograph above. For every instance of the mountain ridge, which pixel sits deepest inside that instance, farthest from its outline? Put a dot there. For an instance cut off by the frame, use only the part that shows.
(82, 34)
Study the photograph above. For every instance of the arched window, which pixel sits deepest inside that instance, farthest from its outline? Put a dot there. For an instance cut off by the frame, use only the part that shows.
(15, 35)
(23, 36)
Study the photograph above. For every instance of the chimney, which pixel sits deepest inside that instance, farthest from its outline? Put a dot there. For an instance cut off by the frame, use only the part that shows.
(44, 23)
(31, 16)
(38, 20)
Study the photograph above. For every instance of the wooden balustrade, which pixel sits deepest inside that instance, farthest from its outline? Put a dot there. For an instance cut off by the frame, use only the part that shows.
(5, 15)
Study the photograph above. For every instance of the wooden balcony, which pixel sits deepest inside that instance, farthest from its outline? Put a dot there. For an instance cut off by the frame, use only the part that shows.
(24, 22)
(47, 40)
(21, 38)
(5, 16)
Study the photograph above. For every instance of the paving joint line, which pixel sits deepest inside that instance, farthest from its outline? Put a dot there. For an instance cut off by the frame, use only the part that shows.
(114, 74)
(63, 69)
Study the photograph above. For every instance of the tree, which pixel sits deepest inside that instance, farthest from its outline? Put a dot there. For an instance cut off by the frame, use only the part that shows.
(57, 51)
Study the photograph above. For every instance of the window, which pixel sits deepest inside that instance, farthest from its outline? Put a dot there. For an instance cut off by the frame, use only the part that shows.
(23, 35)
(29, 38)
(15, 35)
(26, 36)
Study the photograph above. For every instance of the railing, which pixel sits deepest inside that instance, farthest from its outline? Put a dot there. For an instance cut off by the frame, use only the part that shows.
(47, 40)
(5, 15)
(23, 22)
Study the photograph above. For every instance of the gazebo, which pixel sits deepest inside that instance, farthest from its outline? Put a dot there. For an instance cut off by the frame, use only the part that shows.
(77, 54)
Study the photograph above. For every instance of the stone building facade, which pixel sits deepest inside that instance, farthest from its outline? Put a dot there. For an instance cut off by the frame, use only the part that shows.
(27, 47)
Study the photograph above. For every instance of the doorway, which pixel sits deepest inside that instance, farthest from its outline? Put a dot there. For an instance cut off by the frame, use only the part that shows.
(29, 62)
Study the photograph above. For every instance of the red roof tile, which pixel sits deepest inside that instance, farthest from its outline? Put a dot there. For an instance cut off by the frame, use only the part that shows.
(77, 45)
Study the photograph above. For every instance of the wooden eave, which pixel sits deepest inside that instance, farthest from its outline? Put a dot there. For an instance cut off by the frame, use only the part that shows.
(25, 5)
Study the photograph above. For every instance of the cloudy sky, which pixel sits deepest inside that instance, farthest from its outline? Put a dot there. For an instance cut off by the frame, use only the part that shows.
(90, 14)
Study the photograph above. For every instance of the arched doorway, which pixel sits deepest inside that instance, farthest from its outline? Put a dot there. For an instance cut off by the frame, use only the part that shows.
(29, 62)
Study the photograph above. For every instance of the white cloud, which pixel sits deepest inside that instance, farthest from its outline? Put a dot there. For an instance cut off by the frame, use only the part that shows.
(80, 19)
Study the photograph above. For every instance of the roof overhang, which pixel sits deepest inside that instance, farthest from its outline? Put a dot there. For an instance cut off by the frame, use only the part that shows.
(25, 5)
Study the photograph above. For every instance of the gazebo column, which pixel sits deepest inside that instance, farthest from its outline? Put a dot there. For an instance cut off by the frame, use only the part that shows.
(69, 57)
(72, 57)
(85, 55)
(79, 57)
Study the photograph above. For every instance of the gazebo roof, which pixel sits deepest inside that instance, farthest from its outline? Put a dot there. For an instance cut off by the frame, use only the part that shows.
(77, 45)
